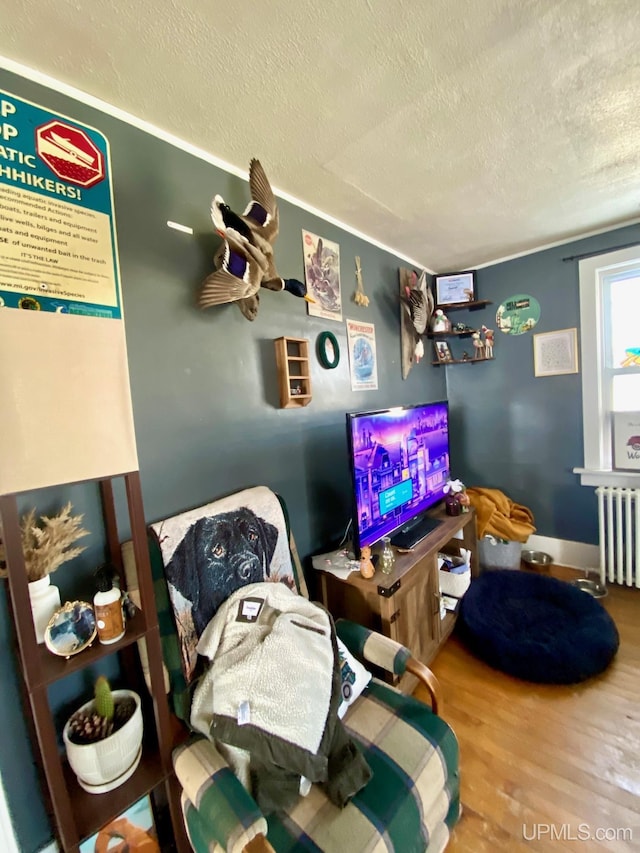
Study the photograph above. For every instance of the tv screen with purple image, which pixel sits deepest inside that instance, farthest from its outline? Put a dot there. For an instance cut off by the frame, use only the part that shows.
(399, 465)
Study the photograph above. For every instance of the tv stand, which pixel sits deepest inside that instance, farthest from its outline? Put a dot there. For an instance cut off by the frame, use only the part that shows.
(405, 605)
(414, 532)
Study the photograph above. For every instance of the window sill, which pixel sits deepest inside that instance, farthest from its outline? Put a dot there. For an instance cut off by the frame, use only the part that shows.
(600, 477)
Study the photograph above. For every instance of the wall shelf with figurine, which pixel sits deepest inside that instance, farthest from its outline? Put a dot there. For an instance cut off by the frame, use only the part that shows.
(294, 377)
(442, 328)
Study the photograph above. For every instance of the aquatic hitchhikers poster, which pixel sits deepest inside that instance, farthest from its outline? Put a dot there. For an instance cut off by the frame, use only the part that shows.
(57, 229)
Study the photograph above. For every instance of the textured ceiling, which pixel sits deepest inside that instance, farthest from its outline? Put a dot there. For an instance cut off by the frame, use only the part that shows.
(454, 131)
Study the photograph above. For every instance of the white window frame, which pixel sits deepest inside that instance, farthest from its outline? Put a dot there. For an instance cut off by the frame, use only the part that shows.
(8, 841)
(596, 420)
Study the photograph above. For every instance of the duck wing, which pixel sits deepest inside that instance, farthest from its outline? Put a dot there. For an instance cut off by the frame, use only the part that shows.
(416, 304)
(422, 282)
(239, 275)
(262, 211)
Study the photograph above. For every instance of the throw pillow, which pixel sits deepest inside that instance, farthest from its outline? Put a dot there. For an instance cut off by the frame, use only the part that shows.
(354, 678)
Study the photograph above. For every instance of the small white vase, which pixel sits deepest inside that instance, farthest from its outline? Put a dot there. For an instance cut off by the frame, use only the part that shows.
(45, 600)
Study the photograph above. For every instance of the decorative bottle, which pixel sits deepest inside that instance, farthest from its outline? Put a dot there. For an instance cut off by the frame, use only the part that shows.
(107, 605)
(387, 557)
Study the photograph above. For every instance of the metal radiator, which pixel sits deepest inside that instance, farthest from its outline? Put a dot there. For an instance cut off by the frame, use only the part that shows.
(619, 524)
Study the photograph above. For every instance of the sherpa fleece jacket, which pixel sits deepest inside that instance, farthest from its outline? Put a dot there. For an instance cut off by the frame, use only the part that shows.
(273, 688)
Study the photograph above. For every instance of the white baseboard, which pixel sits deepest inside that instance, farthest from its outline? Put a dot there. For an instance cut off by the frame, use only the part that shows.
(574, 555)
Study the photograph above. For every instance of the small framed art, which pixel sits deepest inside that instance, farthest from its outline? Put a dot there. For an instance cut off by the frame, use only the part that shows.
(443, 353)
(555, 353)
(455, 287)
(133, 830)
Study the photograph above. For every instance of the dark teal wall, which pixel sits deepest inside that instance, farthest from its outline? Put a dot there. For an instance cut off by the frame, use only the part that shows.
(517, 432)
(205, 391)
(204, 383)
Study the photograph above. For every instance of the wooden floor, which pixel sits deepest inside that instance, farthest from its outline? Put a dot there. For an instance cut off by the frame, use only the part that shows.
(544, 767)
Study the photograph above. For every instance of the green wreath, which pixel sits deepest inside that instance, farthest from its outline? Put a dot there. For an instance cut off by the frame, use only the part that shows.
(324, 339)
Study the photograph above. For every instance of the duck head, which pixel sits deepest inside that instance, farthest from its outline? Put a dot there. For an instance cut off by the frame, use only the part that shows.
(297, 288)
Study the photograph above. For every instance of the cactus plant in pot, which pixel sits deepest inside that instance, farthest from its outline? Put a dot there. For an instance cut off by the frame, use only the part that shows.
(103, 738)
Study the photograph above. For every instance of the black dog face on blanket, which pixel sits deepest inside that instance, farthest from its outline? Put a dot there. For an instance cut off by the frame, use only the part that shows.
(217, 556)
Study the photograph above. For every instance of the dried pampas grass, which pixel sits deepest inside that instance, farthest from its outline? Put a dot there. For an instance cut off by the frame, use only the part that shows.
(46, 544)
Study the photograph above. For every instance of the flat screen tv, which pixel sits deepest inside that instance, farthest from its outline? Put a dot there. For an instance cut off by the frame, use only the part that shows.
(399, 465)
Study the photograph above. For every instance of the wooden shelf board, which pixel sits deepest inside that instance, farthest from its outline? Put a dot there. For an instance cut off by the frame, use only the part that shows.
(298, 401)
(472, 306)
(462, 361)
(439, 335)
(53, 668)
(297, 358)
(291, 376)
(93, 811)
(447, 625)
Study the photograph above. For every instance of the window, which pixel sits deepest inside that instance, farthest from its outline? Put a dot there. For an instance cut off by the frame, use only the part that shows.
(610, 338)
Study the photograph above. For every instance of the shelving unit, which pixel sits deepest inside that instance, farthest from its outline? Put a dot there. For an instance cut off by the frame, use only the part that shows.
(405, 605)
(76, 813)
(294, 376)
(436, 336)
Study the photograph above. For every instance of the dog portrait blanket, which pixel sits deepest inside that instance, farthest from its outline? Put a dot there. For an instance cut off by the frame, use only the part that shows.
(272, 688)
(211, 551)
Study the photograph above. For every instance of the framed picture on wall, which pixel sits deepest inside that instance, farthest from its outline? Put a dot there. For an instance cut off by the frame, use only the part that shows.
(555, 353)
(455, 287)
(443, 353)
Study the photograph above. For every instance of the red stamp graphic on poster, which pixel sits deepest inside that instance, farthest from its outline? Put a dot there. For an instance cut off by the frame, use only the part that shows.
(70, 154)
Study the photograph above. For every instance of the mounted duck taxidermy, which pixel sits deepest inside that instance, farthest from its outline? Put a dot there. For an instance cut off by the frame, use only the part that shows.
(245, 260)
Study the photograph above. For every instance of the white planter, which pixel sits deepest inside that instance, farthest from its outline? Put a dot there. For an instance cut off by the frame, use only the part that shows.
(45, 600)
(106, 764)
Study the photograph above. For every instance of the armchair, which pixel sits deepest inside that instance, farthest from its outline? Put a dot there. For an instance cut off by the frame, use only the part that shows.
(412, 800)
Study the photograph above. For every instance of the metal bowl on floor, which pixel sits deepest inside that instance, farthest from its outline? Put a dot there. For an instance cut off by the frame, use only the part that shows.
(593, 587)
(537, 559)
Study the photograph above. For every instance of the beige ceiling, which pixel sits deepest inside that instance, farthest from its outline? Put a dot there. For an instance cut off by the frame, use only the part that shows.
(454, 131)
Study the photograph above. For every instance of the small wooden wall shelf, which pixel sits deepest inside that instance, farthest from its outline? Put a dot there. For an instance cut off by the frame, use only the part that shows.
(470, 306)
(294, 377)
(461, 361)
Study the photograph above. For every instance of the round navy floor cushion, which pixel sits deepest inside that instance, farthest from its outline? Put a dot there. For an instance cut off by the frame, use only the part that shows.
(536, 627)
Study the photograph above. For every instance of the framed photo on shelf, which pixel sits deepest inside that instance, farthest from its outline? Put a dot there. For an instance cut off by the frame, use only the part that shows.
(133, 830)
(555, 353)
(455, 287)
(443, 353)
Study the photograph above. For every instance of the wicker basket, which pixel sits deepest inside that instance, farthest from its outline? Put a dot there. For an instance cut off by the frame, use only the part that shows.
(493, 554)
(454, 584)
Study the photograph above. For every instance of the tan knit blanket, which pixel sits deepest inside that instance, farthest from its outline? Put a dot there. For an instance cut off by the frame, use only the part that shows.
(497, 515)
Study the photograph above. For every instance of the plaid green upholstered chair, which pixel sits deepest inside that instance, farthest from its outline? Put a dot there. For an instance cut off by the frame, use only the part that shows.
(412, 799)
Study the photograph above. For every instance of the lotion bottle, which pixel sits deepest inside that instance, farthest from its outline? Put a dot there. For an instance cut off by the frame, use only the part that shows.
(107, 605)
